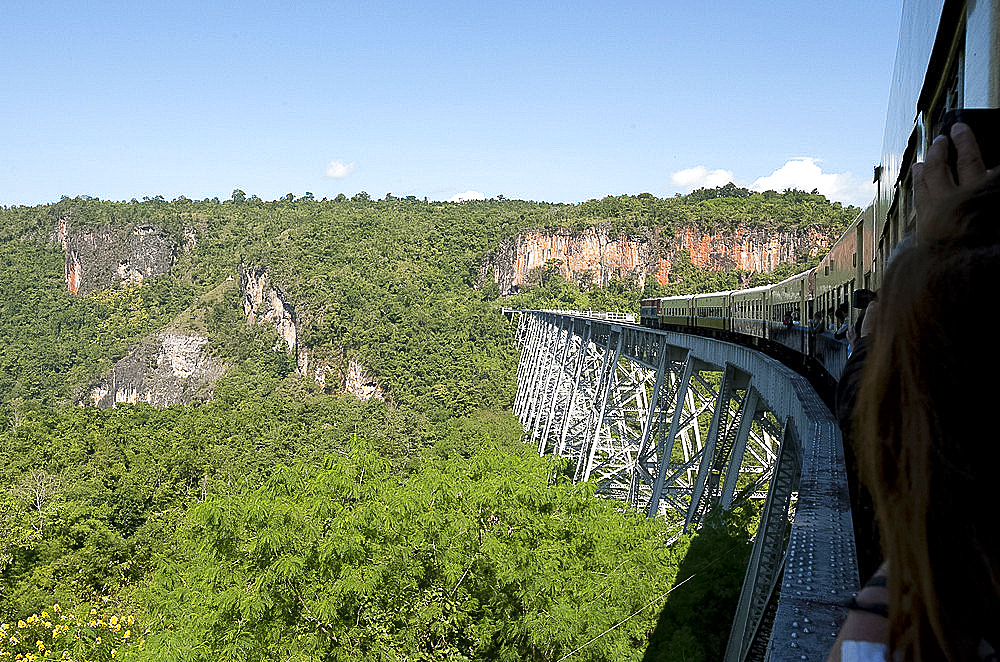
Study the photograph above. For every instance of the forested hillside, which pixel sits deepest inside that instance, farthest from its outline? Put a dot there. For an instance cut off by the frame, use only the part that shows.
(282, 519)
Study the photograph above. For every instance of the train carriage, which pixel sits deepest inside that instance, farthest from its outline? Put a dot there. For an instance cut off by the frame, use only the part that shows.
(711, 311)
(836, 279)
(843, 271)
(750, 310)
(677, 311)
(787, 323)
(649, 312)
(948, 60)
(667, 312)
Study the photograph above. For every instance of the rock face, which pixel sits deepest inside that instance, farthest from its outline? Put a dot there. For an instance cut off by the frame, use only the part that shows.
(265, 303)
(100, 258)
(750, 250)
(594, 255)
(590, 254)
(172, 369)
(358, 383)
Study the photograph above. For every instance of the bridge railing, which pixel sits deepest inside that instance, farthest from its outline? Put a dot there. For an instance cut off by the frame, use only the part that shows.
(627, 318)
(676, 425)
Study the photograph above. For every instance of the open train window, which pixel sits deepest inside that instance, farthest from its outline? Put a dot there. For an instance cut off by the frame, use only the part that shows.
(905, 218)
(947, 66)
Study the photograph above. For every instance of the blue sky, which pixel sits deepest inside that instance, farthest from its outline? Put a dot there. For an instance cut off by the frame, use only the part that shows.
(553, 101)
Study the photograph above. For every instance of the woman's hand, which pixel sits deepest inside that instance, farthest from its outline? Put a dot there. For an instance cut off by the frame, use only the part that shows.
(937, 192)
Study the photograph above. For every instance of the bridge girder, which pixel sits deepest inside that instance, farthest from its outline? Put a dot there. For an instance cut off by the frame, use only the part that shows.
(676, 426)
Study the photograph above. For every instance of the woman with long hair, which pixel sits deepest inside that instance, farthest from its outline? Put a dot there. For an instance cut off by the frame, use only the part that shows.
(924, 428)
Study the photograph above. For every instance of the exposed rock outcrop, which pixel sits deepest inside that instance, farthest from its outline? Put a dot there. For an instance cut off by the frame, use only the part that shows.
(265, 303)
(99, 258)
(360, 384)
(190, 239)
(750, 249)
(594, 255)
(171, 369)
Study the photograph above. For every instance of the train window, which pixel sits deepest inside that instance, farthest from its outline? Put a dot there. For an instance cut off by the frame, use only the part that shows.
(949, 93)
(948, 65)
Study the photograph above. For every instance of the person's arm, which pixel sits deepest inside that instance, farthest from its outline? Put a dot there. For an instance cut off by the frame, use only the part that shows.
(850, 379)
(866, 620)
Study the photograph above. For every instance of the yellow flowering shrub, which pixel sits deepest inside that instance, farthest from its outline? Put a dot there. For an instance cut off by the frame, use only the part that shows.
(86, 634)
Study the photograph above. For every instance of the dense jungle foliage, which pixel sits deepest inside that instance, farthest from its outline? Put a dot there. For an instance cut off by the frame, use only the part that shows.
(280, 520)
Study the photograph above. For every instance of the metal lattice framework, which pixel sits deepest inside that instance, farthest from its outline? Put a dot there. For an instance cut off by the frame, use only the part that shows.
(678, 425)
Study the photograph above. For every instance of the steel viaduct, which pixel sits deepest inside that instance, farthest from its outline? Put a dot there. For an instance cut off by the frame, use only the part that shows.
(675, 425)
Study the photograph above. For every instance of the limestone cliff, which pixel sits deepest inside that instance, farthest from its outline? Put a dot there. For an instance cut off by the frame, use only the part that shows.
(170, 369)
(360, 384)
(173, 368)
(598, 256)
(265, 303)
(750, 249)
(99, 258)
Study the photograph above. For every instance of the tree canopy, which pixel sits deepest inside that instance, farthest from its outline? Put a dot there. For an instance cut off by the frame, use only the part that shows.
(283, 519)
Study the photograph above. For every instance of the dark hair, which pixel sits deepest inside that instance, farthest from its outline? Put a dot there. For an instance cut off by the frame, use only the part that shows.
(928, 442)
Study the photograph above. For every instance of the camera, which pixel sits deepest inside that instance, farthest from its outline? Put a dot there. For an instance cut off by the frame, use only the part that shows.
(861, 298)
(985, 124)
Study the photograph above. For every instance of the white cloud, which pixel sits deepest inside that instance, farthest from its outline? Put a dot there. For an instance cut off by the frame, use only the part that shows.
(805, 174)
(700, 177)
(337, 169)
(468, 195)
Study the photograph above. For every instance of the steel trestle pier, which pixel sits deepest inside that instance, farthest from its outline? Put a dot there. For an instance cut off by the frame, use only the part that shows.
(676, 425)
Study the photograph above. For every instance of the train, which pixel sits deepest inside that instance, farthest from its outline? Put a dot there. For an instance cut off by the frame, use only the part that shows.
(947, 68)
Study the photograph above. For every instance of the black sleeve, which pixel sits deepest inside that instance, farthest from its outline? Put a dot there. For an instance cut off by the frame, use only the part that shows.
(847, 387)
(866, 535)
